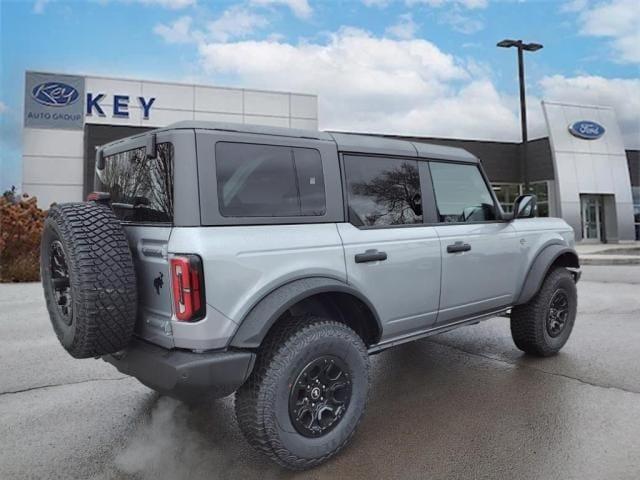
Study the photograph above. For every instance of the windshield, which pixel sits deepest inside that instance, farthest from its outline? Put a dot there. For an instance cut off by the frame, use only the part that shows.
(141, 188)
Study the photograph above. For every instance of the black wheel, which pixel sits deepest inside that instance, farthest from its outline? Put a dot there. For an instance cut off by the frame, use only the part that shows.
(307, 392)
(88, 279)
(543, 325)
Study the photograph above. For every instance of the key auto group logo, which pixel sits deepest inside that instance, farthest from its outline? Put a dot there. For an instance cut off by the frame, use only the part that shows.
(55, 94)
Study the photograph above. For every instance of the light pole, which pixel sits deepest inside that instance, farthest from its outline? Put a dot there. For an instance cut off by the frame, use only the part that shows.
(529, 47)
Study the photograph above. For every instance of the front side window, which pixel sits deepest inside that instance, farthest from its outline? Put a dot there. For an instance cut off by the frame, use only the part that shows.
(383, 191)
(141, 188)
(462, 195)
(269, 181)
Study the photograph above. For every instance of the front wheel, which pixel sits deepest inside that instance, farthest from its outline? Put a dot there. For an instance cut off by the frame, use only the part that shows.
(543, 325)
(307, 392)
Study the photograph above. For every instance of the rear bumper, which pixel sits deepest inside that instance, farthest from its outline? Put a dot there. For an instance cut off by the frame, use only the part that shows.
(183, 374)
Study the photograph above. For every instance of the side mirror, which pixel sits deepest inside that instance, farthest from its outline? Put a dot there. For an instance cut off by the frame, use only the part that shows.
(150, 147)
(525, 206)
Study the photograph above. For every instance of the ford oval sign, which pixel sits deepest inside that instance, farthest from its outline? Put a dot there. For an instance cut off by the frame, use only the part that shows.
(586, 129)
(55, 94)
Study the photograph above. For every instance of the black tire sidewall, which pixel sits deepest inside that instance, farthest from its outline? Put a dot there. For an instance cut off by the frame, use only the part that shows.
(101, 278)
(565, 283)
(51, 233)
(279, 421)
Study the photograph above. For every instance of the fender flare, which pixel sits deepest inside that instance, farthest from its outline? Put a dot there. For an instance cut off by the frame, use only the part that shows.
(256, 324)
(540, 267)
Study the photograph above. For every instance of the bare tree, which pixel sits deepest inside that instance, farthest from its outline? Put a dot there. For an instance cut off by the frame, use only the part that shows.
(396, 192)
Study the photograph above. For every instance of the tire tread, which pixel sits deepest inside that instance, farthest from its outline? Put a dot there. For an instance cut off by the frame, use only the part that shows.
(103, 277)
(274, 356)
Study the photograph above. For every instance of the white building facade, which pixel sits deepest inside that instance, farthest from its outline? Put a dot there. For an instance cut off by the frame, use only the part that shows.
(66, 116)
(593, 191)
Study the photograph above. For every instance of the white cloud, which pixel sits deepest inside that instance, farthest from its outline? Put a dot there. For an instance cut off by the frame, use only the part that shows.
(404, 29)
(618, 20)
(235, 22)
(376, 3)
(176, 32)
(3, 107)
(405, 86)
(39, 6)
(170, 4)
(574, 6)
(470, 4)
(621, 94)
(373, 84)
(300, 8)
(462, 23)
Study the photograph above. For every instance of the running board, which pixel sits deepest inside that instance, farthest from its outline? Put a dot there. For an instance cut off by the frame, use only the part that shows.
(378, 347)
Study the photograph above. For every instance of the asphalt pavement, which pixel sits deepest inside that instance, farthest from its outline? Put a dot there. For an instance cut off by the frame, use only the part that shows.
(465, 404)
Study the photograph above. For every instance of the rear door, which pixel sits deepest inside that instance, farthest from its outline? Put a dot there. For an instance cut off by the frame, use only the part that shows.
(142, 197)
(390, 254)
(480, 252)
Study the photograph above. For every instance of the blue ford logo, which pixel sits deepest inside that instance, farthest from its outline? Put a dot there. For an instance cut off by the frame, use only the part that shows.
(55, 94)
(586, 129)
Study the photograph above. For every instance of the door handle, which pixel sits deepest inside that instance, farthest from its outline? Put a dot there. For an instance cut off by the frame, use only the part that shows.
(458, 247)
(371, 256)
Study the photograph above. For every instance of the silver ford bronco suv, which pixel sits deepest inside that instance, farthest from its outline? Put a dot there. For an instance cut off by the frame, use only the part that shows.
(271, 262)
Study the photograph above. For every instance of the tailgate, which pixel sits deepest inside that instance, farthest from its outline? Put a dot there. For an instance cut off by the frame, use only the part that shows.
(149, 248)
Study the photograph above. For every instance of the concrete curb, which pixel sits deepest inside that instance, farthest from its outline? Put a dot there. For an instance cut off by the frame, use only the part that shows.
(604, 260)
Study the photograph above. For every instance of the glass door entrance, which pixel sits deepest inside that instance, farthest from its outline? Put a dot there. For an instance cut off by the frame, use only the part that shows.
(592, 218)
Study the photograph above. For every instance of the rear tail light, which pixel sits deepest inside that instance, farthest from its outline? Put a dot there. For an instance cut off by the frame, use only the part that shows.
(187, 284)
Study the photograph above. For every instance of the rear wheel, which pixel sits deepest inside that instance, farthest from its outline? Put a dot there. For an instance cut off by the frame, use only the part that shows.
(307, 392)
(543, 325)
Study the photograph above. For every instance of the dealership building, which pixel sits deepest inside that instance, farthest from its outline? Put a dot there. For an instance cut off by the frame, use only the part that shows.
(580, 171)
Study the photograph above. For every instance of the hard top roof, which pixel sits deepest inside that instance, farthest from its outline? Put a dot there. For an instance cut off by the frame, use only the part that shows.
(346, 142)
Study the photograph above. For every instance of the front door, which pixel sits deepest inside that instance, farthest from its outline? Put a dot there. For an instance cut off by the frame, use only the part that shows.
(591, 210)
(390, 255)
(480, 252)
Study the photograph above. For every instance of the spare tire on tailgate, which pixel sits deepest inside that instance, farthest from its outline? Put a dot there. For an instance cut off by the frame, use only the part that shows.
(88, 278)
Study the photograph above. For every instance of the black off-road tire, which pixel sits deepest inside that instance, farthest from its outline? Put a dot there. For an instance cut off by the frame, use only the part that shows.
(98, 313)
(529, 321)
(262, 403)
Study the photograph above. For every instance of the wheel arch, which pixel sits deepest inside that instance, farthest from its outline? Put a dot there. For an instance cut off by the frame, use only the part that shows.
(322, 296)
(549, 257)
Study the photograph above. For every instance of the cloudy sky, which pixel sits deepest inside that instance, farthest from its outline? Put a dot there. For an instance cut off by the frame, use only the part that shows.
(426, 67)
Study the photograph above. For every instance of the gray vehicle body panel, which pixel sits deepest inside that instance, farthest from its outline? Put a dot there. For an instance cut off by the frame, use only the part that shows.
(256, 268)
(264, 314)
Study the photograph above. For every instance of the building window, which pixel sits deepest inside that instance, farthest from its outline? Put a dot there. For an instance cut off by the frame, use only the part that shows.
(269, 181)
(635, 191)
(383, 191)
(541, 191)
(508, 192)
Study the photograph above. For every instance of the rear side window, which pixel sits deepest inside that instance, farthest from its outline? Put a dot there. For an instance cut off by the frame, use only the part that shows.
(383, 191)
(462, 194)
(269, 181)
(141, 188)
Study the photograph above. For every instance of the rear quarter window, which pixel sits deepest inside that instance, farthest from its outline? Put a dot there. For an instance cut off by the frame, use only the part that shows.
(269, 181)
(141, 188)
